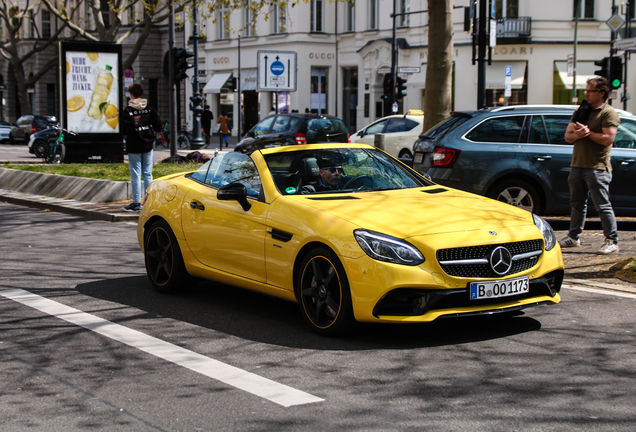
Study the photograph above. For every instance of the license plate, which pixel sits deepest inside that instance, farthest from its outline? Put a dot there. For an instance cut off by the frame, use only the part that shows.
(501, 288)
(419, 157)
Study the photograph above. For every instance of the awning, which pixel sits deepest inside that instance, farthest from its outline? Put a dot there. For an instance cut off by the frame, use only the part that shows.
(248, 79)
(584, 70)
(496, 74)
(216, 82)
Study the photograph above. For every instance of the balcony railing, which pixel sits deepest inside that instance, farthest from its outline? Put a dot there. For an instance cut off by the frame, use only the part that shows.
(514, 27)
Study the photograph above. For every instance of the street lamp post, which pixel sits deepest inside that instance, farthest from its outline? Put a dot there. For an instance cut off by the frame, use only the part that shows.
(197, 141)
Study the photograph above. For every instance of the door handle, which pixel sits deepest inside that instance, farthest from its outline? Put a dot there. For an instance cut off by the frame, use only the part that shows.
(197, 206)
(541, 158)
(626, 161)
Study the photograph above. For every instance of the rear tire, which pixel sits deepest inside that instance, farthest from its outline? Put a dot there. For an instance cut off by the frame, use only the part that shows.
(405, 154)
(164, 262)
(182, 142)
(518, 193)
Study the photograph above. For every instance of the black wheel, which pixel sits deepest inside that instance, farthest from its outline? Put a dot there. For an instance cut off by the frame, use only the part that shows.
(182, 142)
(164, 262)
(40, 148)
(518, 193)
(323, 292)
(360, 182)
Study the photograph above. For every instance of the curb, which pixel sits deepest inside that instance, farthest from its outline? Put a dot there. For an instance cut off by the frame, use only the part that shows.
(70, 207)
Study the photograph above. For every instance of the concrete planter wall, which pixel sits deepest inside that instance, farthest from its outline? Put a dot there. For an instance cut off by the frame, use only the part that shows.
(60, 186)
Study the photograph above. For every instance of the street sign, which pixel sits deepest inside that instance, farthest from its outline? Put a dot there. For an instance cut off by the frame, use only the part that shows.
(395, 107)
(410, 70)
(571, 65)
(277, 71)
(128, 73)
(508, 82)
(625, 44)
(615, 22)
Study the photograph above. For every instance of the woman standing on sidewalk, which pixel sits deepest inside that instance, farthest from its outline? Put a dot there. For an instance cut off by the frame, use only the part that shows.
(224, 128)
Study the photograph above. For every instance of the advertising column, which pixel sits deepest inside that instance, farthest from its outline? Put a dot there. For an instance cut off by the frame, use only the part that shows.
(91, 100)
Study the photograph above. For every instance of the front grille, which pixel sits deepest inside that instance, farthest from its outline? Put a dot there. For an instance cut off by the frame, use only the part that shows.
(483, 269)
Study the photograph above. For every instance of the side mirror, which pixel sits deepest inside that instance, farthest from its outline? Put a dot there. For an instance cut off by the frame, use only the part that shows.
(361, 133)
(234, 192)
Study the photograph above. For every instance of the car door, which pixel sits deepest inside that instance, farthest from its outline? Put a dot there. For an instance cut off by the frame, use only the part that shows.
(368, 136)
(279, 133)
(394, 135)
(220, 234)
(550, 153)
(622, 191)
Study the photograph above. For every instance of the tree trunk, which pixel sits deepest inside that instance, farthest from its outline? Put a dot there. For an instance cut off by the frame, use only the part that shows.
(437, 96)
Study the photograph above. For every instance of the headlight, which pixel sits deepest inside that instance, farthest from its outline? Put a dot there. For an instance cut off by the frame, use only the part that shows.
(546, 230)
(385, 248)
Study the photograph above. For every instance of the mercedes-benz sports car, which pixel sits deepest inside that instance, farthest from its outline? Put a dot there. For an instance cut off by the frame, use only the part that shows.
(384, 244)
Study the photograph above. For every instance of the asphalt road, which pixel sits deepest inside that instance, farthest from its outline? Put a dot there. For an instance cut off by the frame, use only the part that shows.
(86, 344)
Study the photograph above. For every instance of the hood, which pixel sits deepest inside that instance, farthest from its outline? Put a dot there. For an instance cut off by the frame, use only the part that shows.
(138, 103)
(422, 211)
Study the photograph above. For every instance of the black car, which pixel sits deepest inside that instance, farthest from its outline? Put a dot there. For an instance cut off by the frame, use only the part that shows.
(39, 141)
(28, 125)
(289, 129)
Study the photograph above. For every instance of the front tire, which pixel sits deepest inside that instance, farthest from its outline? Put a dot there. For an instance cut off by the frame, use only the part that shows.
(182, 142)
(518, 193)
(164, 262)
(324, 294)
(40, 148)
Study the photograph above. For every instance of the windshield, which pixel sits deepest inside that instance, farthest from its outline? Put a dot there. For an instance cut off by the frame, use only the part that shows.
(339, 170)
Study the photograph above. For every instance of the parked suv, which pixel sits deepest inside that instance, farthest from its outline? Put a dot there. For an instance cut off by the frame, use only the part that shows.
(287, 129)
(29, 124)
(519, 155)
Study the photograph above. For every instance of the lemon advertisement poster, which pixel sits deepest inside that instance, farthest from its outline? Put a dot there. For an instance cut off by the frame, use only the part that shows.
(92, 91)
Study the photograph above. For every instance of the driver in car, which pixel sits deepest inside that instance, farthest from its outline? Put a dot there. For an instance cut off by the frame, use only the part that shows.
(330, 175)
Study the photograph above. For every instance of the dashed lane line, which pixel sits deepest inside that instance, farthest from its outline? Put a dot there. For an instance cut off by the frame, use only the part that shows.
(230, 375)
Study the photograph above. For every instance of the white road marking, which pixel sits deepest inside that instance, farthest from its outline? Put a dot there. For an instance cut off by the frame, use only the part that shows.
(600, 291)
(233, 376)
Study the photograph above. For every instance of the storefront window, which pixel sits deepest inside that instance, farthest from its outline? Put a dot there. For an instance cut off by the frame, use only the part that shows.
(319, 90)
(350, 98)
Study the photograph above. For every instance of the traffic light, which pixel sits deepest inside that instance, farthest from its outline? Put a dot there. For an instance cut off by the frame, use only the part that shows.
(181, 65)
(231, 84)
(604, 67)
(401, 88)
(616, 72)
(388, 86)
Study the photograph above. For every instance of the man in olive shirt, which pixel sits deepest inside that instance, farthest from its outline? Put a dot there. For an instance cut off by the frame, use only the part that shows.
(591, 167)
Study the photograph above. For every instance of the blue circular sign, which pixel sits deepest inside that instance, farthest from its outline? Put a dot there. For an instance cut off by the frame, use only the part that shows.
(277, 68)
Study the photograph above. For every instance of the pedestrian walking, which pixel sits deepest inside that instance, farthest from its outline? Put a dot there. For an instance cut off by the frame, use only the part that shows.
(592, 129)
(224, 128)
(139, 124)
(206, 123)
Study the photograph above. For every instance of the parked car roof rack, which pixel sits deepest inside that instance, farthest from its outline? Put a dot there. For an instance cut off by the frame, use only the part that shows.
(543, 107)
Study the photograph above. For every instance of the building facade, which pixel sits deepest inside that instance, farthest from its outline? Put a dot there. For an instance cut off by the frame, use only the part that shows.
(344, 51)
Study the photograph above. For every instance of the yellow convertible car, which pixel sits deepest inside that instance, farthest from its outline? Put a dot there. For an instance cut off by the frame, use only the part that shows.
(348, 232)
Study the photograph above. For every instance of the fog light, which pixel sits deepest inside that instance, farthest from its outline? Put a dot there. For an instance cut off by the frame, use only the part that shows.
(420, 304)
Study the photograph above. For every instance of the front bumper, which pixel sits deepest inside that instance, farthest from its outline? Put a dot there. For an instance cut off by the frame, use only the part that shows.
(384, 292)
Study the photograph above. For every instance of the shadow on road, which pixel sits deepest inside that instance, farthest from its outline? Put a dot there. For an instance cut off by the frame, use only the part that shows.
(264, 319)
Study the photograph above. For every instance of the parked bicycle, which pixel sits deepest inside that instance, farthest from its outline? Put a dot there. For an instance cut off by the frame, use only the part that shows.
(163, 137)
(183, 140)
(57, 149)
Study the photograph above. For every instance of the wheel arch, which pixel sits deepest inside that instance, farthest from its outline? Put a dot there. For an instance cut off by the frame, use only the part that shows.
(517, 176)
(300, 256)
